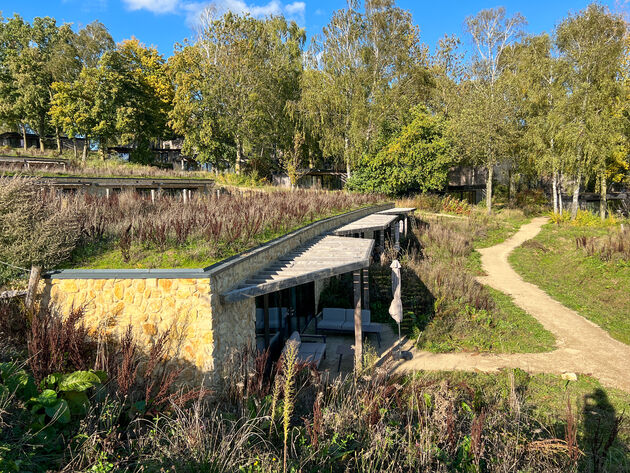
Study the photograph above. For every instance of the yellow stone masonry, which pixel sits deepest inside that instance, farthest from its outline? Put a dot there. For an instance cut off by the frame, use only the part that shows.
(151, 307)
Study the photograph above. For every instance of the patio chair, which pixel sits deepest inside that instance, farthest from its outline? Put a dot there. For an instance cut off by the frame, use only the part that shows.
(342, 321)
(309, 351)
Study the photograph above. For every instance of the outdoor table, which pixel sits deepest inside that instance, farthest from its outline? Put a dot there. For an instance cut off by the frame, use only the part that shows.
(375, 328)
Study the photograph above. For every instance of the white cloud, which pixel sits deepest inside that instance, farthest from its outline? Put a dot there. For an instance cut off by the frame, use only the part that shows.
(155, 6)
(295, 8)
(193, 9)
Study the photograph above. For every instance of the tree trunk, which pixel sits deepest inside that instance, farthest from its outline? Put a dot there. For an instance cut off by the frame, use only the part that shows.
(347, 158)
(512, 187)
(554, 190)
(86, 145)
(576, 195)
(489, 189)
(560, 201)
(603, 203)
(42, 129)
(237, 166)
(33, 281)
(25, 143)
(58, 136)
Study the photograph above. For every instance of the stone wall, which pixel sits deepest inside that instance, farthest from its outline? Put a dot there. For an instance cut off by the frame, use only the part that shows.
(152, 307)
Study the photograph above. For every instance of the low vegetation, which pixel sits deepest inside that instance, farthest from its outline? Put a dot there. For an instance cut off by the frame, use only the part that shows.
(103, 406)
(128, 230)
(585, 267)
(464, 314)
(93, 167)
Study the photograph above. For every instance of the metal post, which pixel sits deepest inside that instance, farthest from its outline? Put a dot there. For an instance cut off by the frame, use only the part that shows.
(358, 330)
(294, 308)
(266, 318)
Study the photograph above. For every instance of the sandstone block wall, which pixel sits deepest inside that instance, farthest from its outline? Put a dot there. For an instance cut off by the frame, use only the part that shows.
(152, 307)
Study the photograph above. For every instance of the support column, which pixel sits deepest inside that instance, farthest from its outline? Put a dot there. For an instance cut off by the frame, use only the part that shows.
(107, 192)
(266, 318)
(279, 305)
(382, 239)
(294, 309)
(184, 195)
(397, 235)
(366, 288)
(358, 330)
(153, 196)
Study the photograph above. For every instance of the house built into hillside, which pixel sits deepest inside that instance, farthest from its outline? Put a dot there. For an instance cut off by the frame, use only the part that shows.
(211, 313)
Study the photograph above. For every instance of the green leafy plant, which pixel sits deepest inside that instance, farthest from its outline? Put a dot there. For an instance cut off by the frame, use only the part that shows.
(62, 396)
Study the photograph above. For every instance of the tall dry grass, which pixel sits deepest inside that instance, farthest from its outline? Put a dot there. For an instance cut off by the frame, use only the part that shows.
(207, 227)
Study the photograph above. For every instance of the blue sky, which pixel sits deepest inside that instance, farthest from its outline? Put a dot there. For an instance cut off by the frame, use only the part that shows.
(164, 22)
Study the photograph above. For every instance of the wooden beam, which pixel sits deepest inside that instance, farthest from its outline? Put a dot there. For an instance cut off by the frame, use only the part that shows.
(358, 330)
(33, 281)
(366, 288)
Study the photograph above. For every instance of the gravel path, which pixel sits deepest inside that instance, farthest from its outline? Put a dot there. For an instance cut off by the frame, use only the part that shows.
(581, 346)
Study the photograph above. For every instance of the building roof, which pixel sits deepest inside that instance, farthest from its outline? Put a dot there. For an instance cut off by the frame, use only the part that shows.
(398, 211)
(320, 258)
(372, 222)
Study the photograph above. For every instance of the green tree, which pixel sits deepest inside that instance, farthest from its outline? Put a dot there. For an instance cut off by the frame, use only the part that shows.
(142, 114)
(91, 42)
(416, 159)
(537, 79)
(365, 71)
(233, 88)
(592, 45)
(484, 124)
(14, 34)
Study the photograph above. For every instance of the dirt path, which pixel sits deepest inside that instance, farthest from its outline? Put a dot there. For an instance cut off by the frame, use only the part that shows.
(581, 346)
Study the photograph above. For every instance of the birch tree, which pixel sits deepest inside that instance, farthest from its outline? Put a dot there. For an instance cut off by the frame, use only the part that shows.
(366, 68)
(482, 126)
(592, 45)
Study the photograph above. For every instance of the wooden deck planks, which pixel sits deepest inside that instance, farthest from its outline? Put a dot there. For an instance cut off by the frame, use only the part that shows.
(320, 258)
(370, 223)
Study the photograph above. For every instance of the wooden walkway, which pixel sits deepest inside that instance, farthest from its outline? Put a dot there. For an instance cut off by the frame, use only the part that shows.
(398, 211)
(374, 222)
(321, 258)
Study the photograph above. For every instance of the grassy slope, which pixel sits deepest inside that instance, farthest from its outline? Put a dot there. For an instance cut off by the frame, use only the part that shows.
(597, 290)
(507, 328)
(196, 254)
(546, 397)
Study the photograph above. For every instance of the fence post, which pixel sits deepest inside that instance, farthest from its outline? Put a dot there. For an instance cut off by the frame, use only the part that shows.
(33, 281)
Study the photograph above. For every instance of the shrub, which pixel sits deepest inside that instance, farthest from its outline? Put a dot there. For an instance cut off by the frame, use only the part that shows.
(35, 227)
(614, 246)
(583, 218)
(417, 159)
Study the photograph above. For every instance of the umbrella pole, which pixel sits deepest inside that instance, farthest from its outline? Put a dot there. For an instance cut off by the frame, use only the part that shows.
(399, 347)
